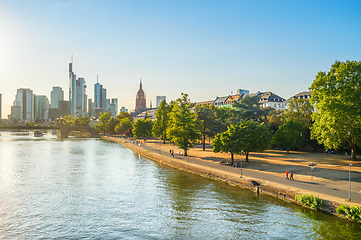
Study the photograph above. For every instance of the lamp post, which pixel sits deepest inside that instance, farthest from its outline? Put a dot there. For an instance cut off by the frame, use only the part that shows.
(349, 182)
(312, 165)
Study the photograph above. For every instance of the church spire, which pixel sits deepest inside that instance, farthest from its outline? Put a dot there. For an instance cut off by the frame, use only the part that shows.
(140, 86)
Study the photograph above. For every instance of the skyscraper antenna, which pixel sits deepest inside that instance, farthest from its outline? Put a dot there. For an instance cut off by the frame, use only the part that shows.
(97, 78)
(71, 58)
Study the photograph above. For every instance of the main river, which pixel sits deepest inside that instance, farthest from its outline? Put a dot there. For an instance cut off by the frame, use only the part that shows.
(90, 188)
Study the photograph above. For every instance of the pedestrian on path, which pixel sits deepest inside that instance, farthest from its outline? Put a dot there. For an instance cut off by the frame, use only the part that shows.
(291, 176)
(287, 175)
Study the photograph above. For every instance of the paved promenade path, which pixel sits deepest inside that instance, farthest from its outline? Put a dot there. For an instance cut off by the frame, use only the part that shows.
(330, 175)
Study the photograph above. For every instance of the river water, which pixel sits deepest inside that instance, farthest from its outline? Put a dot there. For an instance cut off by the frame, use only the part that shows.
(91, 188)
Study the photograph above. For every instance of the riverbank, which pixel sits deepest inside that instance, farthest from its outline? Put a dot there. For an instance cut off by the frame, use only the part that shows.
(206, 163)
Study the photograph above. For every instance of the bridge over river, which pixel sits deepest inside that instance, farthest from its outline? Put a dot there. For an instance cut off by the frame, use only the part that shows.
(63, 131)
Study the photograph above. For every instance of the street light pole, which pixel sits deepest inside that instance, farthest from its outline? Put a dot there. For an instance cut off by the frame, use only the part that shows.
(349, 181)
(241, 164)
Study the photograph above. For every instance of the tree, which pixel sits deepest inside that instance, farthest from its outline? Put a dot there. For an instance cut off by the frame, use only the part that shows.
(247, 136)
(229, 141)
(256, 137)
(206, 113)
(299, 110)
(275, 119)
(123, 114)
(110, 126)
(184, 128)
(336, 96)
(142, 128)
(289, 135)
(248, 108)
(123, 125)
(160, 125)
(82, 121)
(68, 120)
(103, 122)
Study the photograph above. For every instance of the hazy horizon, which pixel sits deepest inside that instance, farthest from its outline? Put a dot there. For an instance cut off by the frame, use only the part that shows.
(202, 48)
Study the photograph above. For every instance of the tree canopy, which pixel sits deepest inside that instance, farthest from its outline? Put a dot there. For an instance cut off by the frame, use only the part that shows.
(161, 121)
(248, 108)
(123, 114)
(82, 121)
(299, 110)
(123, 125)
(103, 124)
(289, 135)
(142, 128)
(183, 128)
(336, 95)
(206, 113)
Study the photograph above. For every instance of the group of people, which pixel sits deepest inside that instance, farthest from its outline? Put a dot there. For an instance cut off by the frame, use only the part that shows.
(171, 152)
(291, 175)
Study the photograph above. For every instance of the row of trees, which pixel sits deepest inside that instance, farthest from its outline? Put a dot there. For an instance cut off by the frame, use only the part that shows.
(332, 117)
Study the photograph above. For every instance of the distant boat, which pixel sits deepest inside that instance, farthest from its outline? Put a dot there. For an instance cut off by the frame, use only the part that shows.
(38, 133)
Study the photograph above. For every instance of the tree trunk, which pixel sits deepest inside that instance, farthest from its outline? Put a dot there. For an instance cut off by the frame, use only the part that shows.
(232, 157)
(288, 150)
(204, 142)
(353, 152)
(185, 152)
(247, 156)
(163, 141)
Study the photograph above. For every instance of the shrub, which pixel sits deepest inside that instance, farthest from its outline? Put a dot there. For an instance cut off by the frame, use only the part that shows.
(350, 212)
(309, 200)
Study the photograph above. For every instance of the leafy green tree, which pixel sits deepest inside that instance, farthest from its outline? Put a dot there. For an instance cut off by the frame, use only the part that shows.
(289, 136)
(112, 123)
(82, 121)
(256, 137)
(299, 110)
(102, 126)
(248, 108)
(247, 136)
(161, 121)
(142, 128)
(68, 120)
(123, 125)
(184, 128)
(206, 113)
(275, 119)
(122, 115)
(336, 95)
(229, 141)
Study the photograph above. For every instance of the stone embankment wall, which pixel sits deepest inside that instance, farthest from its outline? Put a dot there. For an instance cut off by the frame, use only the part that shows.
(280, 191)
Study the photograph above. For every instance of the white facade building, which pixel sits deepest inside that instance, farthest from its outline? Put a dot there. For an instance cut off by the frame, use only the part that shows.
(160, 99)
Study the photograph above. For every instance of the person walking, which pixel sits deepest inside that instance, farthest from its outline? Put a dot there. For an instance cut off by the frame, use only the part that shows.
(291, 176)
(287, 175)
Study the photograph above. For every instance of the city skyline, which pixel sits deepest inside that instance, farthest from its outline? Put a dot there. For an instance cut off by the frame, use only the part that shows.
(205, 49)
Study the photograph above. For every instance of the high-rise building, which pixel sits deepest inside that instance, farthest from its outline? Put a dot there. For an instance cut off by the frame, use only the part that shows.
(240, 91)
(24, 99)
(140, 101)
(15, 113)
(72, 89)
(64, 108)
(90, 108)
(160, 99)
(41, 107)
(56, 95)
(123, 109)
(115, 102)
(108, 104)
(112, 109)
(100, 96)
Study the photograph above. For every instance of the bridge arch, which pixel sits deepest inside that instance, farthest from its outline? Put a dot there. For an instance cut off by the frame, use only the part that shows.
(63, 130)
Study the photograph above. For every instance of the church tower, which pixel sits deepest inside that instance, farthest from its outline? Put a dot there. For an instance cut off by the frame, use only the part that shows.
(140, 101)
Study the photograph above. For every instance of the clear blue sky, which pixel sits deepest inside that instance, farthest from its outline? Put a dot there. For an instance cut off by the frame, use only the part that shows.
(203, 48)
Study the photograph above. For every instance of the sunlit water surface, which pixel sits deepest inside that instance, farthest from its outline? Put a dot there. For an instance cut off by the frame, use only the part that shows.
(90, 188)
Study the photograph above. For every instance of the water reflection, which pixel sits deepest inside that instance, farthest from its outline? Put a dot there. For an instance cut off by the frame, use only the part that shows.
(90, 188)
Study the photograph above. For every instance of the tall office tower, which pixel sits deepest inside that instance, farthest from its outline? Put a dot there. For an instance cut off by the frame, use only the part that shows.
(0, 104)
(108, 104)
(72, 89)
(123, 109)
(140, 101)
(90, 108)
(80, 97)
(100, 96)
(112, 109)
(64, 108)
(115, 102)
(41, 107)
(56, 95)
(160, 99)
(24, 99)
(104, 100)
